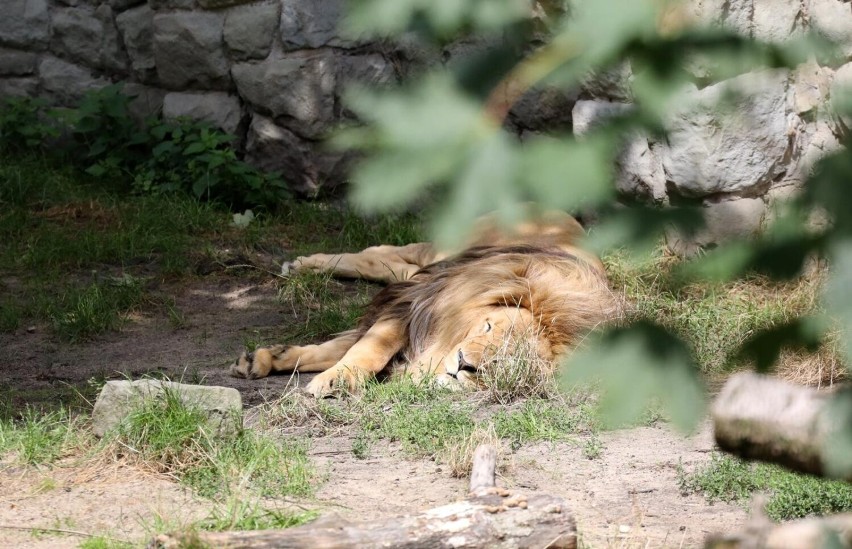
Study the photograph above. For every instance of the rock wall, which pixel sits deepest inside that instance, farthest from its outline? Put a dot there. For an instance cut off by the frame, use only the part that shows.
(271, 72)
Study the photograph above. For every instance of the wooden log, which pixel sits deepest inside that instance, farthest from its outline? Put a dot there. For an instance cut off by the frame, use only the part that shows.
(762, 418)
(799, 534)
(491, 517)
(483, 471)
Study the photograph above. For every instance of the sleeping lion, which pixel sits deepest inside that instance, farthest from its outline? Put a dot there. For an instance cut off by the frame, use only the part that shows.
(444, 315)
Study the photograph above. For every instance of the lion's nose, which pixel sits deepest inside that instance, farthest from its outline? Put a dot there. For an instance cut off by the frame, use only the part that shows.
(464, 365)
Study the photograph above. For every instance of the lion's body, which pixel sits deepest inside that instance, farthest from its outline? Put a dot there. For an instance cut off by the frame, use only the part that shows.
(441, 314)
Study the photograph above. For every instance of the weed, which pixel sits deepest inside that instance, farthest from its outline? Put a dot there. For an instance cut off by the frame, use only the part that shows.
(361, 446)
(592, 447)
(791, 495)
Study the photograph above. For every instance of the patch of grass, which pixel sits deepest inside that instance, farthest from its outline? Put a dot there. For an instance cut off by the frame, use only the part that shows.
(173, 438)
(81, 314)
(42, 437)
(549, 420)
(239, 513)
(322, 227)
(328, 306)
(713, 318)
(517, 372)
(102, 542)
(791, 495)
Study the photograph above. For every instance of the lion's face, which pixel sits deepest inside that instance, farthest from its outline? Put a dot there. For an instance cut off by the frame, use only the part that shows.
(493, 332)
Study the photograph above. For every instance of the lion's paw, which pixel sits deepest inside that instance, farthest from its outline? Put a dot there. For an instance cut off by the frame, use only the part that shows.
(257, 364)
(332, 383)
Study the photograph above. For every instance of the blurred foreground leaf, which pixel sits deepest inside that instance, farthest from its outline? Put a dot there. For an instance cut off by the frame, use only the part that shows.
(635, 366)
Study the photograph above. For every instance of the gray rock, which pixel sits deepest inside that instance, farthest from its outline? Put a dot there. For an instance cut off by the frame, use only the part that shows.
(24, 23)
(18, 87)
(76, 34)
(113, 57)
(739, 150)
(640, 173)
(121, 5)
(587, 114)
(137, 30)
(17, 62)
(188, 50)
(65, 83)
(299, 88)
(612, 85)
(88, 37)
(544, 109)
(833, 18)
(810, 87)
(305, 167)
(726, 220)
(249, 30)
(776, 20)
(640, 169)
(147, 101)
(218, 4)
(118, 399)
(841, 95)
(219, 108)
(312, 24)
(171, 4)
(370, 69)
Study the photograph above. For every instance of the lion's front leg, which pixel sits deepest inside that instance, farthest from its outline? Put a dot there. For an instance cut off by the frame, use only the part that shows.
(303, 358)
(370, 355)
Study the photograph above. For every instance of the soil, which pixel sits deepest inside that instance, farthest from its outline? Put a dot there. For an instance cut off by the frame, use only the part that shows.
(626, 497)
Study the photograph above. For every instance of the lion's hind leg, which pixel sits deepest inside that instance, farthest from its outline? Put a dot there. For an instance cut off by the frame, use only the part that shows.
(303, 358)
(378, 263)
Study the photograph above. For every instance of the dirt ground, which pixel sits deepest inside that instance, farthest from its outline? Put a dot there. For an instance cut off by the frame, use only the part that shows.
(627, 497)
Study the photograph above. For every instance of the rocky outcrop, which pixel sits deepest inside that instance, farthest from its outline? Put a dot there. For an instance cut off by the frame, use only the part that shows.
(272, 72)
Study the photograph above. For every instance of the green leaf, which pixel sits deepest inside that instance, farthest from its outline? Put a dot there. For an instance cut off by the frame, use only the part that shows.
(636, 366)
(568, 173)
(195, 148)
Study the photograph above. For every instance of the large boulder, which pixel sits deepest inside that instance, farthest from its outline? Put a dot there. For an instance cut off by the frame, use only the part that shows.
(220, 109)
(188, 50)
(740, 148)
(250, 29)
(88, 36)
(297, 90)
(17, 62)
(66, 83)
(312, 24)
(118, 399)
(137, 30)
(24, 23)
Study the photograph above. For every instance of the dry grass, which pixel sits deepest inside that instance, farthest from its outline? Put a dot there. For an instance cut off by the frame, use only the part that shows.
(458, 455)
(716, 318)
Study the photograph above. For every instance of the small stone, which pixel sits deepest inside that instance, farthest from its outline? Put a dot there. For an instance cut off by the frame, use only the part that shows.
(623, 529)
(31, 329)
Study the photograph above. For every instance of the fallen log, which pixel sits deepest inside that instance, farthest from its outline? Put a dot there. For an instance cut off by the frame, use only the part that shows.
(762, 418)
(490, 517)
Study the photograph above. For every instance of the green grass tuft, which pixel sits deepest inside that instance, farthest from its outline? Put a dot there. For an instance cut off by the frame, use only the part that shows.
(791, 495)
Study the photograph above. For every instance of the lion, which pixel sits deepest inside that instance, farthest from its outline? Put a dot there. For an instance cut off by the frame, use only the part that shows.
(443, 315)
